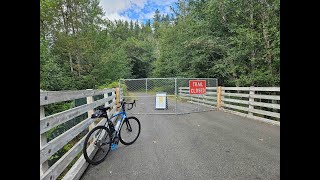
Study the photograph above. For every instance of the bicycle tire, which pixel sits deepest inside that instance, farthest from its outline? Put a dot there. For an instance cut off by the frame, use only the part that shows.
(85, 146)
(127, 124)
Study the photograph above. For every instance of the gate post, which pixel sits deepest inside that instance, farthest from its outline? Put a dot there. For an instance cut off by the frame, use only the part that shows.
(219, 97)
(251, 99)
(146, 86)
(175, 92)
(117, 98)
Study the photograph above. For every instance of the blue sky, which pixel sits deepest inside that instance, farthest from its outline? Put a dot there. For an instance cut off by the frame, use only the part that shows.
(140, 10)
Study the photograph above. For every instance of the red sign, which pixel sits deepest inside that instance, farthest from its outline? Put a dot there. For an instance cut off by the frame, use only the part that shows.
(197, 86)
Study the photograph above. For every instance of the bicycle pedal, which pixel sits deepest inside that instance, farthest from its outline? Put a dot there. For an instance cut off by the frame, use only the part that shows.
(114, 146)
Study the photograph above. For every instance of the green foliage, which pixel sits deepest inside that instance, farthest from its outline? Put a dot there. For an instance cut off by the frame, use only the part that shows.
(58, 107)
(235, 41)
(77, 55)
(114, 84)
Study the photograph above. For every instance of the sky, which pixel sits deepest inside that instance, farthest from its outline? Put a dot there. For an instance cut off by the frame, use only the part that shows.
(140, 10)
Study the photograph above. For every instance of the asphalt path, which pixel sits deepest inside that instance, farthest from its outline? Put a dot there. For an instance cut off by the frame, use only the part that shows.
(206, 145)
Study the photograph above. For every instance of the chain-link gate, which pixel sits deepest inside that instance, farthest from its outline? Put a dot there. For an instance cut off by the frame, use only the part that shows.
(177, 98)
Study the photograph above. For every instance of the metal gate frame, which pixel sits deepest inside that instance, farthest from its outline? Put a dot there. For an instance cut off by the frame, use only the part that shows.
(175, 94)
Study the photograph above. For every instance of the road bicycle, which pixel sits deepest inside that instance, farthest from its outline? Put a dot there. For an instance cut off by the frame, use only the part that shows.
(106, 137)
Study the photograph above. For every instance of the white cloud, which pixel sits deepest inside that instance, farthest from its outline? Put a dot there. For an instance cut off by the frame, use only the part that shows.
(139, 3)
(162, 2)
(113, 8)
(116, 16)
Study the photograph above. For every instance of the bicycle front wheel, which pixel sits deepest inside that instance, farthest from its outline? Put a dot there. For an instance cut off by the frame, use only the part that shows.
(97, 145)
(130, 130)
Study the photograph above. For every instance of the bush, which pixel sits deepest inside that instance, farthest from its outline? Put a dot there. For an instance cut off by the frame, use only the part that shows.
(114, 84)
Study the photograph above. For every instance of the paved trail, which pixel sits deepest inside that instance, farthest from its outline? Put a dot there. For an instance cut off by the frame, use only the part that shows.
(207, 145)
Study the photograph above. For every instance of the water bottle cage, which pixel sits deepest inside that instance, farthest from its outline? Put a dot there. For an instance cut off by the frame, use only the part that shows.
(111, 127)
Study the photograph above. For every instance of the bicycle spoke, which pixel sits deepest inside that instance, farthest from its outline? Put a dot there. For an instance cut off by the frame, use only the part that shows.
(101, 139)
(105, 143)
(131, 131)
(101, 149)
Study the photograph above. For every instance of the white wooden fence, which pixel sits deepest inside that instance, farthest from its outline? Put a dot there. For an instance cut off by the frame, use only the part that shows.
(47, 149)
(209, 99)
(260, 103)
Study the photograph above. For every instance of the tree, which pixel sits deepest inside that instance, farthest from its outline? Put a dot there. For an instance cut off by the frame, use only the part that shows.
(237, 41)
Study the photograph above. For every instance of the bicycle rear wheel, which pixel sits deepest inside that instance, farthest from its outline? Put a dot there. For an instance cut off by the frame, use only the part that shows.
(97, 145)
(130, 130)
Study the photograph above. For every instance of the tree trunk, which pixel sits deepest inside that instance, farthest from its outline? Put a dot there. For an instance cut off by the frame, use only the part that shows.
(222, 12)
(64, 19)
(266, 40)
(70, 61)
(265, 31)
(76, 18)
(69, 10)
(78, 63)
(251, 14)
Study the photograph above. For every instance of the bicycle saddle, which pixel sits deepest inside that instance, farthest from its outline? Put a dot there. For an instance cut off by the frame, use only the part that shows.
(100, 112)
(103, 109)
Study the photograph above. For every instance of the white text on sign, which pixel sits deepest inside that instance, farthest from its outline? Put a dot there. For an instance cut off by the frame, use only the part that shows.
(197, 87)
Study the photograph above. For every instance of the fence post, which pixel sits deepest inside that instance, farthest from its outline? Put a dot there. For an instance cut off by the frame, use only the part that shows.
(43, 140)
(219, 97)
(146, 85)
(117, 98)
(251, 99)
(114, 99)
(222, 93)
(90, 112)
(175, 92)
(107, 103)
(274, 102)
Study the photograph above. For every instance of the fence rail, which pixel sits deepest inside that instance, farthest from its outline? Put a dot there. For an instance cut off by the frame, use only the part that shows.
(47, 149)
(261, 103)
(207, 100)
(49, 97)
